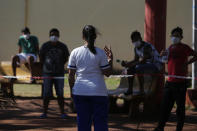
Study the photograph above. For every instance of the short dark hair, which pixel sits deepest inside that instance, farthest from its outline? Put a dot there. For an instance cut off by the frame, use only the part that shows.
(136, 34)
(179, 30)
(25, 30)
(54, 30)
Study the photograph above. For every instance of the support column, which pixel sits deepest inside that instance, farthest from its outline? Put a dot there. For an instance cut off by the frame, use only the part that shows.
(155, 29)
(194, 42)
(191, 95)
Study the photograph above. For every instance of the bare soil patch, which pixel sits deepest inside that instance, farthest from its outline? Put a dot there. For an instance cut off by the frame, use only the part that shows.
(25, 116)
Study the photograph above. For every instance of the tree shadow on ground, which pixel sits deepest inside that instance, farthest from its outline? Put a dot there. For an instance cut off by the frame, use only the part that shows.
(25, 116)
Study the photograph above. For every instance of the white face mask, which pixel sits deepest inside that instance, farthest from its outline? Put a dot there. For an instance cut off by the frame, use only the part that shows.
(137, 43)
(54, 38)
(175, 40)
(26, 36)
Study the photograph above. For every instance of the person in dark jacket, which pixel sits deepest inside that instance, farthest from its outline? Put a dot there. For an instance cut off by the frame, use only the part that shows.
(53, 56)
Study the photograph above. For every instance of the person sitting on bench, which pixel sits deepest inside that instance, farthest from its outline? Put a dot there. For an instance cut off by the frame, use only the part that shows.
(147, 60)
(28, 51)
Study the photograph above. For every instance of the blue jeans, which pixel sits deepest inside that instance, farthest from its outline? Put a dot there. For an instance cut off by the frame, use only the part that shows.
(91, 109)
(48, 85)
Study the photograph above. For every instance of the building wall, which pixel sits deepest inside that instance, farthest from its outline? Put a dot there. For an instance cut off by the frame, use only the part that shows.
(114, 19)
(11, 22)
(179, 13)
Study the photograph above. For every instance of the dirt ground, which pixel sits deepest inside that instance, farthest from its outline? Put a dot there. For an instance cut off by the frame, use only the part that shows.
(25, 116)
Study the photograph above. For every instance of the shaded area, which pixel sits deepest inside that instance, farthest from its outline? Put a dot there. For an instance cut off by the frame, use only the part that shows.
(25, 116)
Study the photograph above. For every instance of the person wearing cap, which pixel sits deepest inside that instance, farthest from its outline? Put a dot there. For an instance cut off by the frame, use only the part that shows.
(177, 58)
(28, 51)
(53, 56)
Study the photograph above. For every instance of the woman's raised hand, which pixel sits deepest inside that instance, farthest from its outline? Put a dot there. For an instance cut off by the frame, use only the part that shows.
(109, 53)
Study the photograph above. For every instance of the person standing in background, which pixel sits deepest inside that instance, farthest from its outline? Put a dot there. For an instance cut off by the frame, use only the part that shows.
(176, 56)
(53, 56)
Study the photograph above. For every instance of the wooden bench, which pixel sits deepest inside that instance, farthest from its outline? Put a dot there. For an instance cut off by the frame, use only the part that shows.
(132, 104)
(6, 70)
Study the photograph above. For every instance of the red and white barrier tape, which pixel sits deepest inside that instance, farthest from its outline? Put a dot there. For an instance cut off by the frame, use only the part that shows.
(112, 76)
(34, 77)
(174, 76)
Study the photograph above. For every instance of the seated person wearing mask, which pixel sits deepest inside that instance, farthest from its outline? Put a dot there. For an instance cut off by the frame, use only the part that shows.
(28, 51)
(146, 60)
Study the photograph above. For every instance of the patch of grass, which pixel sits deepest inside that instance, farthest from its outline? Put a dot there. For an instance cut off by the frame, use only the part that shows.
(27, 90)
(112, 83)
(33, 90)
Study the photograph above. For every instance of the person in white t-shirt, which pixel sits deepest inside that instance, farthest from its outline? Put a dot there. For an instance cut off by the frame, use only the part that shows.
(89, 91)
